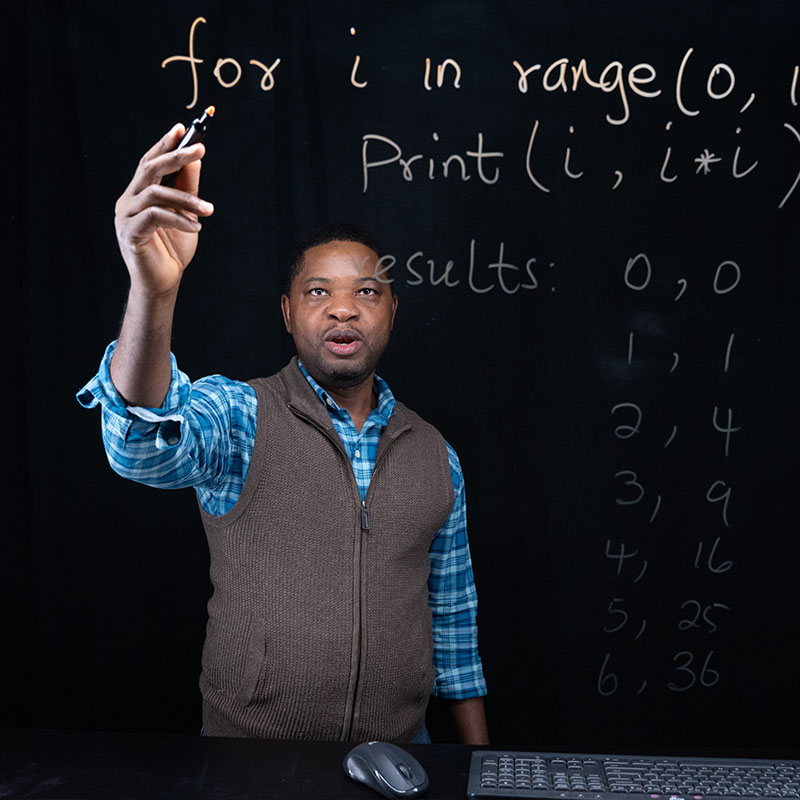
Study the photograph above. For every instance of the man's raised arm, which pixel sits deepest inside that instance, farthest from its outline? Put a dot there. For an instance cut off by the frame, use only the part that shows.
(157, 228)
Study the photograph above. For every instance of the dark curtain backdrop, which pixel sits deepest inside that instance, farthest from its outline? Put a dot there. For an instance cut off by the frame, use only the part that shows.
(627, 423)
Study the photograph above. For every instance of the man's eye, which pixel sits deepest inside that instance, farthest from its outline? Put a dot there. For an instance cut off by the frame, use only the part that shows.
(316, 291)
(367, 290)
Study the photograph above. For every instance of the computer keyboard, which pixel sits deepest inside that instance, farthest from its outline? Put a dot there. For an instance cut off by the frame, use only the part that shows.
(560, 776)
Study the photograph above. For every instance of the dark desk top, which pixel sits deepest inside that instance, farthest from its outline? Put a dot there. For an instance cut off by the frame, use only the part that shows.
(80, 765)
(66, 765)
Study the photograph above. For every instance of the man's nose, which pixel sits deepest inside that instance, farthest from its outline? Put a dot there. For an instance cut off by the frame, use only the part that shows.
(342, 308)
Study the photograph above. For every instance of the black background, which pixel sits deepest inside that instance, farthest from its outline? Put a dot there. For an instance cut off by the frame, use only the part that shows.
(104, 581)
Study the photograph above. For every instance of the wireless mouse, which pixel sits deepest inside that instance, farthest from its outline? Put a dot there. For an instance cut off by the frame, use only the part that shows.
(386, 768)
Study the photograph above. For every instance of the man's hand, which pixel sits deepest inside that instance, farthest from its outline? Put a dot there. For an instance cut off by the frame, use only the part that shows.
(157, 230)
(468, 719)
(157, 226)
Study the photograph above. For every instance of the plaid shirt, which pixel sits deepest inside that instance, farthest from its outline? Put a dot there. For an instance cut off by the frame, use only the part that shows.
(203, 436)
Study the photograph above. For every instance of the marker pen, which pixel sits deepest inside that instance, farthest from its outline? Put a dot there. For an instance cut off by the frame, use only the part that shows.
(197, 130)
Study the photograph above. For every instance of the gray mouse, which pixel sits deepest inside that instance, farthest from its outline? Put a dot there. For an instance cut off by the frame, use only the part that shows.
(386, 768)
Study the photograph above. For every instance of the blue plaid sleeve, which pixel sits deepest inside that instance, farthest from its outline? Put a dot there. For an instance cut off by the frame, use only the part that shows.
(201, 436)
(454, 602)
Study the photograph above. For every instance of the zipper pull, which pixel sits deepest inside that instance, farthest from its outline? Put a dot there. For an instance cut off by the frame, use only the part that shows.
(364, 516)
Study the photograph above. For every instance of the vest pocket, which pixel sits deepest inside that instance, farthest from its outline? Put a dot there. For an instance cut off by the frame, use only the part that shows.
(253, 662)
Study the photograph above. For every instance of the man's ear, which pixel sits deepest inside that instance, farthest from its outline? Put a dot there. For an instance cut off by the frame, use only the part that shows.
(287, 313)
(394, 310)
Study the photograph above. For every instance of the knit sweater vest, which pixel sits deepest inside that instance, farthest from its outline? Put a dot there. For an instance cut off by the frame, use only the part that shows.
(319, 625)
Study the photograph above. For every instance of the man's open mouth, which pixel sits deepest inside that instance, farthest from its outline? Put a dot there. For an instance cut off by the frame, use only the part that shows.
(342, 342)
(342, 336)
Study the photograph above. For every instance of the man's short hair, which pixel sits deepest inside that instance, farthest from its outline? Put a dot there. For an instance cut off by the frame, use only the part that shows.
(337, 232)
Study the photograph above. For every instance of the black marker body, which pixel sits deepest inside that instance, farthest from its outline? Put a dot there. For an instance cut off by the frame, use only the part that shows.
(197, 130)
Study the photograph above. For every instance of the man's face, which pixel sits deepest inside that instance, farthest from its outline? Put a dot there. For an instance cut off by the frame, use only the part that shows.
(339, 314)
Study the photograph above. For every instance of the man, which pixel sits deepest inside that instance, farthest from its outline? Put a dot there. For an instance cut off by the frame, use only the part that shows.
(335, 516)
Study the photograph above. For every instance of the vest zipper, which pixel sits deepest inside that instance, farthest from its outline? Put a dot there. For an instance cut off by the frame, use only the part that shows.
(365, 528)
(364, 516)
(357, 633)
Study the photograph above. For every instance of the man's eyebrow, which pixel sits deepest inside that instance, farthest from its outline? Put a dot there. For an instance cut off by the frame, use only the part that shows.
(328, 280)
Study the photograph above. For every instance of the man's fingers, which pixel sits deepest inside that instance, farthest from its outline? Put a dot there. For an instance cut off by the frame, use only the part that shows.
(169, 141)
(146, 206)
(151, 171)
(188, 179)
(140, 227)
(159, 196)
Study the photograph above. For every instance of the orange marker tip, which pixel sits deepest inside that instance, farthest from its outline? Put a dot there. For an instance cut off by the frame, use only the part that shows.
(210, 111)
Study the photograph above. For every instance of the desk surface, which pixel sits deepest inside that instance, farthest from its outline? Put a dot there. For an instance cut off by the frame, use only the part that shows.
(80, 765)
(66, 765)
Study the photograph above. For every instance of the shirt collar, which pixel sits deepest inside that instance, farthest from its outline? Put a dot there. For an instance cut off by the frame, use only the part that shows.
(386, 401)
